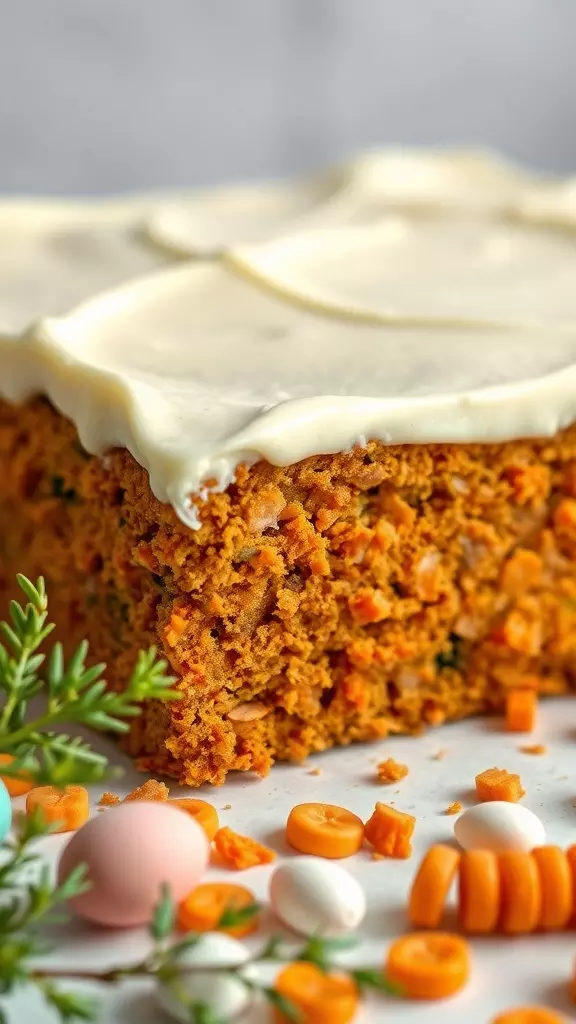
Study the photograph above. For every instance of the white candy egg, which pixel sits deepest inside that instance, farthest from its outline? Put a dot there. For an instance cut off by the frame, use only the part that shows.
(223, 993)
(498, 826)
(313, 896)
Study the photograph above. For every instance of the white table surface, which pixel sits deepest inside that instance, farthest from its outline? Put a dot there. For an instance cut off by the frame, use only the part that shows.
(507, 972)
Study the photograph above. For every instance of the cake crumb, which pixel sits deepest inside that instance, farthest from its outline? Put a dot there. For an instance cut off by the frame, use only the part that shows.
(454, 808)
(534, 748)
(391, 771)
(108, 800)
(227, 807)
(241, 852)
(149, 790)
(439, 755)
(315, 771)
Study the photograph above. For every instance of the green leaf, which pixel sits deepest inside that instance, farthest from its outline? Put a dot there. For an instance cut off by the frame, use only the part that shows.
(35, 594)
(201, 1013)
(162, 922)
(74, 884)
(70, 1006)
(272, 950)
(367, 978)
(232, 917)
(291, 1012)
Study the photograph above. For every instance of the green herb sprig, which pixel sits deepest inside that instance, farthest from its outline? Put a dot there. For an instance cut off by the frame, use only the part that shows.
(74, 695)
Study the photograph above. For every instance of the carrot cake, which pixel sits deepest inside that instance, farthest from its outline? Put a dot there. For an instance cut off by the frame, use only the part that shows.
(316, 439)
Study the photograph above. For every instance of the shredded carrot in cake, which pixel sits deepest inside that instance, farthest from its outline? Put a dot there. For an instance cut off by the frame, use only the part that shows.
(241, 852)
(498, 784)
(454, 808)
(391, 771)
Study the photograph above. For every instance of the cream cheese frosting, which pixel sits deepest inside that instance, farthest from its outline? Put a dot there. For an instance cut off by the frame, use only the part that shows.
(411, 297)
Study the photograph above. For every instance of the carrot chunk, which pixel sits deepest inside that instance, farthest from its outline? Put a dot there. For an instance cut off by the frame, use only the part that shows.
(529, 1015)
(69, 808)
(324, 830)
(556, 886)
(498, 784)
(520, 892)
(202, 909)
(17, 785)
(479, 892)
(431, 886)
(241, 852)
(318, 997)
(521, 710)
(428, 965)
(391, 771)
(204, 813)
(389, 831)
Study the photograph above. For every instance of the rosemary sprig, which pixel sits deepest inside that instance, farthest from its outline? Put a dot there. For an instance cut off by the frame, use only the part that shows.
(75, 695)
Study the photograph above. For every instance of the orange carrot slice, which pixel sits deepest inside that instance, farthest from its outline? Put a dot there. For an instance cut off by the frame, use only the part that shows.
(202, 909)
(389, 831)
(520, 892)
(324, 830)
(556, 887)
(529, 1015)
(498, 784)
(204, 813)
(319, 998)
(521, 710)
(431, 886)
(428, 965)
(479, 892)
(17, 785)
(571, 858)
(69, 808)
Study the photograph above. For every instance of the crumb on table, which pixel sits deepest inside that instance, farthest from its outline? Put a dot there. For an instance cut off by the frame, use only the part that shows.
(152, 789)
(241, 852)
(499, 784)
(390, 771)
(454, 808)
(538, 749)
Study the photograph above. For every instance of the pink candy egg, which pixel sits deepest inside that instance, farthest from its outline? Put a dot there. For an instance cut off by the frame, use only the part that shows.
(130, 852)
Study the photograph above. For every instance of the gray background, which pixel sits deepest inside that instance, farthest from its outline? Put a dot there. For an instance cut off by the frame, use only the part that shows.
(103, 95)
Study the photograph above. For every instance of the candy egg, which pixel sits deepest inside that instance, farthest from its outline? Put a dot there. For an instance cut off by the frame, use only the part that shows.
(498, 826)
(130, 852)
(223, 993)
(5, 811)
(313, 896)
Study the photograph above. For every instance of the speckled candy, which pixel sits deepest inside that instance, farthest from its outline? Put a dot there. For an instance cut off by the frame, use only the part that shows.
(5, 811)
(130, 852)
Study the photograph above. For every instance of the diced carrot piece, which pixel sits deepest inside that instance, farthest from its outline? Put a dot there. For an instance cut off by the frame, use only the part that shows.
(324, 830)
(431, 886)
(318, 997)
(389, 831)
(571, 858)
(428, 965)
(69, 808)
(241, 852)
(521, 710)
(369, 605)
(556, 887)
(498, 784)
(479, 892)
(202, 909)
(520, 892)
(17, 785)
(529, 1015)
(204, 813)
(391, 771)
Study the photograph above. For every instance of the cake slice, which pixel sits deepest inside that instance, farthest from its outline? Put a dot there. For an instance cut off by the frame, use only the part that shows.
(320, 451)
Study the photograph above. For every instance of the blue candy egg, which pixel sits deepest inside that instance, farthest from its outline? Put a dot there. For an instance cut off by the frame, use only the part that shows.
(5, 811)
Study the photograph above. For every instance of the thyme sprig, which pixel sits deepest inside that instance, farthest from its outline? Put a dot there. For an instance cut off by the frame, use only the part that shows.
(74, 695)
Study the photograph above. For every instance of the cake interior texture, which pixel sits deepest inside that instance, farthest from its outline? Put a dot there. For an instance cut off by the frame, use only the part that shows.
(342, 598)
